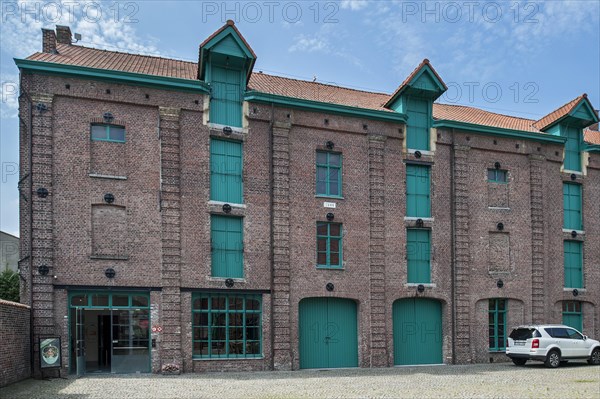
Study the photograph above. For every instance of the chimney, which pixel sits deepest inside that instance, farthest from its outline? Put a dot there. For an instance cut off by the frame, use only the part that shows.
(63, 34)
(48, 41)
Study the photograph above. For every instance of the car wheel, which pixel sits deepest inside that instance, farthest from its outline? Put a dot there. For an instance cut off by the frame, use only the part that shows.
(519, 362)
(595, 357)
(553, 359)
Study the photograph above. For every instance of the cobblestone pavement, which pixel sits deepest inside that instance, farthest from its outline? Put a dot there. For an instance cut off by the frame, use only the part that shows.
(575, 380)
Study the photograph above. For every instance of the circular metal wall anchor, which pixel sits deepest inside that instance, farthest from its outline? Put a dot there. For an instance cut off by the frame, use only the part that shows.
(229, 283)
(500, 283)
(497, 165)
(42, 192)
(109, 198)
(329, 144)
(575, 292)
(226, 208)
(108, 117)
(500, 226)
(420, 288)
(330, 216)
(329, 287)
(574, 234)
(43, 270)
(41, 107)
(573, 176)
(227, 130)
(418, 154)
(419, 223)
(110, 272)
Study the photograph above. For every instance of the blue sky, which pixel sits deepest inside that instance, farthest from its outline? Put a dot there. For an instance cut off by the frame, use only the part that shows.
(517, 57)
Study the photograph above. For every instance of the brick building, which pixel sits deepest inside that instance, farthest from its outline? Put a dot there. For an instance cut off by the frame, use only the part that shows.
(205, 216)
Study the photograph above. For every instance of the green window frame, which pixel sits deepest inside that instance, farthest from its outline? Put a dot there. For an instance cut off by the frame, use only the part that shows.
(107, 132)
(573, 261)
(572, 315)
(226, 326)
(497, 176)
(226, 96)
(418, 191)
(227, 246)
(329, 174)
(418, 255)
(497, 311)
(573, 150)
(418, 124)
(226, 171)
(572, 204)
(329, 245)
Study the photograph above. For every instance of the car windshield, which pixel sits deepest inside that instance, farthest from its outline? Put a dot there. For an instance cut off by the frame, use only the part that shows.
(522, 334)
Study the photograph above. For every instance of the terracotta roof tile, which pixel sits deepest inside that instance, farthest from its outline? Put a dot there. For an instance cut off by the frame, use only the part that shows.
(461, 113)
(412, 75)
(591, 136)
(558, 113)
(232, 24)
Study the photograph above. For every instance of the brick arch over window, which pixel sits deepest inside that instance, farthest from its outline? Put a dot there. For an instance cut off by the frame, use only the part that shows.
(574, 310)
(109, 230)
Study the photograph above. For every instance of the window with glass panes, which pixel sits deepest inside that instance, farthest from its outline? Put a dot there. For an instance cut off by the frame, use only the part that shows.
(571, 314)
(329, 174)
(226, 326)
(497, 324)
(105, 132)
(573, 259)
(572, 206)
(329, 245)
(497, 176)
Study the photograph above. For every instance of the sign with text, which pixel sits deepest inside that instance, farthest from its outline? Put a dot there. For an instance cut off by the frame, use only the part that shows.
(329, 205)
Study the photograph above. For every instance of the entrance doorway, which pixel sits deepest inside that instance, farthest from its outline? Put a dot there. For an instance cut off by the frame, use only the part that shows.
(109, 333)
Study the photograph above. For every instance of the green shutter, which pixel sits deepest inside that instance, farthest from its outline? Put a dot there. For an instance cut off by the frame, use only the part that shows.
(572, 206)
(419, 123)
(418, 201)
(226, 96)
(417, 329)
(418, 249)
(573, 264)
(227, 246)
(572, 149)
(226, 171)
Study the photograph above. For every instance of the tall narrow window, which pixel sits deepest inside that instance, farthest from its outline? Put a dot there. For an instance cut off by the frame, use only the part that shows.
(571, 314)
(226, 171)
(104, 132)
(573, 264)
(227, 246)
(573, 149)
(418, 254)
(226, 96)
(226, 326)
(572, 206)
(497, 324)
(329, 245)
(329, 174)
(419, 123)
(418, 198)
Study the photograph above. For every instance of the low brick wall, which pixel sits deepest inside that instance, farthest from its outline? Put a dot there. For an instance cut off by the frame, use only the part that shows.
(15, 350)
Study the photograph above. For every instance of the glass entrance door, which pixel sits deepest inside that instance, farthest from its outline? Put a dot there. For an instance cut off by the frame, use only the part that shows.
(79, 341)
(130, 340)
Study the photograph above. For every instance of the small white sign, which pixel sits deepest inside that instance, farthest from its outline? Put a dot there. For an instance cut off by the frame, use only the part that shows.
(329, 205)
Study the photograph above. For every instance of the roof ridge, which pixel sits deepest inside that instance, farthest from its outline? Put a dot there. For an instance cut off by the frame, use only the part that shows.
(576, 99)
(124, 52)
(490, 112)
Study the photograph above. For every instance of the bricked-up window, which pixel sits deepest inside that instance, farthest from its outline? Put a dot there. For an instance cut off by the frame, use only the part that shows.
(418, 191)
(572, 206)
(573, 264)
(329, 174)
(105, 132)
(497, 176)
(329, 245)
(499, 253)
(227, 326)
(497, 324)
(226, 171)
(227, 246)
(571, 314)
(418, 255)
(109, 230)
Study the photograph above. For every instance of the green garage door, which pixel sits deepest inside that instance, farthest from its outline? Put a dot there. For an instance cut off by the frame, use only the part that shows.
(417, 331)
(328, 333)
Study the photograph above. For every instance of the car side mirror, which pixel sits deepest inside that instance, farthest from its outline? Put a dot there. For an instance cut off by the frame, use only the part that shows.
(584, 337)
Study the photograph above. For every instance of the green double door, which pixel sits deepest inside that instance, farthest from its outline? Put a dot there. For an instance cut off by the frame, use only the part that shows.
(417, 331)
(328, 333)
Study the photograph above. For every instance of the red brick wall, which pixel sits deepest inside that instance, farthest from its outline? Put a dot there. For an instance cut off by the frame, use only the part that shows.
(15, 351)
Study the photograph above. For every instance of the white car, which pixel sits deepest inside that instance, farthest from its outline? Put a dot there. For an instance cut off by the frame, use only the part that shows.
(551, 344)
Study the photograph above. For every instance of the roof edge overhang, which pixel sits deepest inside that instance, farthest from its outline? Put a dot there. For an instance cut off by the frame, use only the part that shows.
(571, 119)
(592, 148)
(410, 87)
(318, 106)
(498, 131)
(138, 79)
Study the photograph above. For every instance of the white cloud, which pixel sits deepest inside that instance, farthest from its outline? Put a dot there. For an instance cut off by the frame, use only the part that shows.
(9, 96)
(353, 4)
(308, 44)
